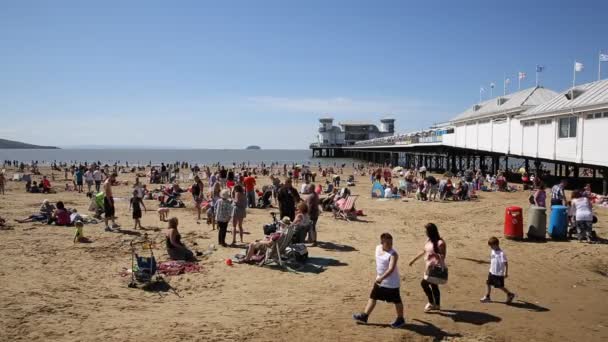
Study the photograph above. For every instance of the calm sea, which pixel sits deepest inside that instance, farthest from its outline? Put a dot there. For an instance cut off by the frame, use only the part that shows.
(156, 156)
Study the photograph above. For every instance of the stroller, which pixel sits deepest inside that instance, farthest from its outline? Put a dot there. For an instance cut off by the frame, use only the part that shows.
(143, 267)
(264, 200)
(271, 227)
(96, 204)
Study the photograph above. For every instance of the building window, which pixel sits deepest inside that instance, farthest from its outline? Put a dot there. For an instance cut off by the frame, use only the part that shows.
(545, 122)
(567, 127)
(589, 116)
(606, 114)
(598, 115)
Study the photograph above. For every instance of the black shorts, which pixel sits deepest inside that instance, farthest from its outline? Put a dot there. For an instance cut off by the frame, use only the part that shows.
(496, 281)
(108, 207)
(385, 294)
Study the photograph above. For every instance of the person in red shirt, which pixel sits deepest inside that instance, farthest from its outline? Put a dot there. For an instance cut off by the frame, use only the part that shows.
(249, 182)
(46, 185)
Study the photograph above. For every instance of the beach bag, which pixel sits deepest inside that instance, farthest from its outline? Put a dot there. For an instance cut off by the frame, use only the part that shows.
(436, 274)
(531, 199)
(298, 251)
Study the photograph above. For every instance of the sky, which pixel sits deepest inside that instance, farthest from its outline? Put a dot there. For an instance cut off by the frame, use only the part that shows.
(227, 74)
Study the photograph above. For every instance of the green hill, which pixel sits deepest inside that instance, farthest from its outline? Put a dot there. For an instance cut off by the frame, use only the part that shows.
(10, 144)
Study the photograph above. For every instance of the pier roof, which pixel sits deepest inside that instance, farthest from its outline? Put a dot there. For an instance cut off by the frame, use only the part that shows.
(587, 96)
(519, 100)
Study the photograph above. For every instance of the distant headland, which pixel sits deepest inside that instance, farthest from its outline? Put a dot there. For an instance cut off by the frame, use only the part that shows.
(253, 147)
(10, 144)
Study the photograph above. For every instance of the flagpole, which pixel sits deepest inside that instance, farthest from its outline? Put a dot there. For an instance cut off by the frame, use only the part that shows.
(518, 82)
(537, 76)
(504, 84)
(599, 66)
(574, 75)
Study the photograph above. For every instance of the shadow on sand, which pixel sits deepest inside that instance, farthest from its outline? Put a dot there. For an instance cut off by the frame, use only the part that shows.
(470, 317)
(521, 304)
(314, 265)
(330, 246)
(426, 329)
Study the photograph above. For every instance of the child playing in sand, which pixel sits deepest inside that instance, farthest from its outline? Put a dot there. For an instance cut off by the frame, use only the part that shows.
(499, 270)
(163, 213)
(136, 203)
(386, 286)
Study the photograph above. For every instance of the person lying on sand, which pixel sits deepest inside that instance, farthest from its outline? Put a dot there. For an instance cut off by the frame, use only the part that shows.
(45, 213)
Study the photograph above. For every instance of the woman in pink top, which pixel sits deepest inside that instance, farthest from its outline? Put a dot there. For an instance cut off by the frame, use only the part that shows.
(434, 254)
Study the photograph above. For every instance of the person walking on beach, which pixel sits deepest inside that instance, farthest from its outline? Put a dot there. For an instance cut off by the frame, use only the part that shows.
(558, 197)
(136, 203)
(108, 203)
(311, 198)
(197, 195)
(88, 178)
(239, 211)
(78, 179)
(386, 285)
(499, 271)
(223, 213)
(97, 176)
(249, 183)
(434, 253)
(288, 197)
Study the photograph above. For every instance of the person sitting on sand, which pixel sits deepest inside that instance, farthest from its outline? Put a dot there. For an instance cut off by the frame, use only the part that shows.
(46, 185)
(175, 248)
(45, 213)
(260, 246)
(61, 217)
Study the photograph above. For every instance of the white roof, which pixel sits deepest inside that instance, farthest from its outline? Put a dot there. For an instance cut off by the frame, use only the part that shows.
(356, 123)
(591, 95)
(520, 100)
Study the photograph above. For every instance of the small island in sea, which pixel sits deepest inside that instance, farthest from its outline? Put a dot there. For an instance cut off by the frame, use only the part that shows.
(253, 147)
(10, 144)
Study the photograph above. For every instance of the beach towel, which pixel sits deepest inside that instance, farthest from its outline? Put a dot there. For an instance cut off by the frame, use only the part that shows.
(172, 268)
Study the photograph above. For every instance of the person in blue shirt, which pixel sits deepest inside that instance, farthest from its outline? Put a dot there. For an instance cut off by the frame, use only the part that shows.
(78, 176)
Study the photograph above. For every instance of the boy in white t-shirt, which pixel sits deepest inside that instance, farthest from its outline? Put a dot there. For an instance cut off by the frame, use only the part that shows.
(386, 286)
(499, 270)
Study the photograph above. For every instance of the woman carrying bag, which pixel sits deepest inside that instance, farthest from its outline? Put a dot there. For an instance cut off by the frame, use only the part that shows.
(436, 272)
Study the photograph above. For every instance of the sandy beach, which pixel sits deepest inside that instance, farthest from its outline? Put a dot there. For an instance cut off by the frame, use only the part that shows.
(55, 290)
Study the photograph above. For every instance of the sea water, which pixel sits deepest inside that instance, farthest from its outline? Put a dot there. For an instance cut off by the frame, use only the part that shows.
(157, 156)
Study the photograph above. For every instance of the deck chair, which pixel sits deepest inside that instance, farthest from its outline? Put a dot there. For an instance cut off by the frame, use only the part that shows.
(348, 212)
(278, 248)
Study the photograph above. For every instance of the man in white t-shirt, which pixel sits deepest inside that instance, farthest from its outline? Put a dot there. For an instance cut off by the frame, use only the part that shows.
(499, 271)
(98, 177)
(386, 286)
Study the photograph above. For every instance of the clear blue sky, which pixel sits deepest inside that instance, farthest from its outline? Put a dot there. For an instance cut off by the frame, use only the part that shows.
(233, 73)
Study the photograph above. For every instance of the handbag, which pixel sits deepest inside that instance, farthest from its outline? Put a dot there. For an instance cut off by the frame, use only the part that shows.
(436, 274)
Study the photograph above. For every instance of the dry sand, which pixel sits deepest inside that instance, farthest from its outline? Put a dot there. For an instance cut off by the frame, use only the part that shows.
(53, 290)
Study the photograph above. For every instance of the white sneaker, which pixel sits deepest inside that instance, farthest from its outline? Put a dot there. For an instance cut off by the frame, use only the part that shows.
(428, 307)
(485, 299)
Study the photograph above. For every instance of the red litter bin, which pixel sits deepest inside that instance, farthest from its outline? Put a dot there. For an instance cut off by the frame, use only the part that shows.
(514, 225)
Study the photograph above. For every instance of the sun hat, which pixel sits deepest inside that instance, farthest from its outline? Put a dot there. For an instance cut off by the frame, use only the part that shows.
(46, 201)
(286, 220)
(225, 194)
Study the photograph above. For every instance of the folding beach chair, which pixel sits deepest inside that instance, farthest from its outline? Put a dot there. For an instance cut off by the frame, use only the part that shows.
(278, 248)
(348, 211)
